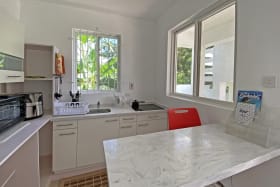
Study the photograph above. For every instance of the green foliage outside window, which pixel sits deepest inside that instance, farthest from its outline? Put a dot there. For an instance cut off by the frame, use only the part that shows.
(97, 62)
(184, 65)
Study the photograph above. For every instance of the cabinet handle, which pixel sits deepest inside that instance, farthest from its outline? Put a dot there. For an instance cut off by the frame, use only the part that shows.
(126, 127)
(64, 125)
(13, 76)
(143, 125)
(112, 120)
(67, 134)
(126, 119)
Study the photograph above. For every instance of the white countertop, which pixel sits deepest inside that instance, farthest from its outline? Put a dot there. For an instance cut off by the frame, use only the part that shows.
(12, 139)
(190, 157)
(115, 111)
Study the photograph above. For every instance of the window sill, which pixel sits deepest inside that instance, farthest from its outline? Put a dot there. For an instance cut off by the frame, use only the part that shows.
(203, 101)
(98, 92)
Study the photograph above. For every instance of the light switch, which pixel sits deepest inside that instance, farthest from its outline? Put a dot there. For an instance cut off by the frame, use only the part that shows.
(269, 81)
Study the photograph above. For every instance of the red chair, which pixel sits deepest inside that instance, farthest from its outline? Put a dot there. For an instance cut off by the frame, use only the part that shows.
(183, 118)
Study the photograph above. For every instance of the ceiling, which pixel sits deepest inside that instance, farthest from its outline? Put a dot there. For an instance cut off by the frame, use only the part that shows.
(145, 9)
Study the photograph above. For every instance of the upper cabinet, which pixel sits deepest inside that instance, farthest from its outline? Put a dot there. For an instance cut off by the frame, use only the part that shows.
(11, 36)
(11, 49)
(11, 69)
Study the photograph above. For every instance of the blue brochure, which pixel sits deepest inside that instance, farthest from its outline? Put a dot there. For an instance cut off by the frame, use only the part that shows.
(250, 97)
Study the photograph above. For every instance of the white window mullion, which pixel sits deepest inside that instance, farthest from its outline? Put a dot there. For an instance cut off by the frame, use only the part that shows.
(97, 63)
(196, 68)
(79, 32)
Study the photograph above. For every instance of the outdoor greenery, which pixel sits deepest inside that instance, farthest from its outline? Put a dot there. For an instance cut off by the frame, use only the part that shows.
(184, 65)
(97, 62)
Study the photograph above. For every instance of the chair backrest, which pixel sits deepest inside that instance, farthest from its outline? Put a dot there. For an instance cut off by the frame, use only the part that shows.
(183, 118)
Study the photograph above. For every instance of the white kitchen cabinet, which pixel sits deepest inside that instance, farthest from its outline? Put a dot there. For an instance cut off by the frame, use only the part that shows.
(11, 36)
(127, 126)
(150, 123)
(62, 125)
(80, 143)
(22, 168)
(7, 76)
(127, 129)
(145, 127)
(64, 145)
(91, 133)
(264, 175)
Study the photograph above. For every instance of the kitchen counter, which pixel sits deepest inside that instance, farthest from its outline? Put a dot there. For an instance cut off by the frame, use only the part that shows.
(12, 139)
(192, 157)
(115, 111)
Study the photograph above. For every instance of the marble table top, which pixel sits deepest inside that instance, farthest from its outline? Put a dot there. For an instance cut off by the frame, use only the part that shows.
(191, 157)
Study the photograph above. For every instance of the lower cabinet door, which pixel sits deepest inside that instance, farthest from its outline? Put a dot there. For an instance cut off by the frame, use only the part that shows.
(127, 129)
(22, 168)
(145, 127)
(91, 134)
(64, 149)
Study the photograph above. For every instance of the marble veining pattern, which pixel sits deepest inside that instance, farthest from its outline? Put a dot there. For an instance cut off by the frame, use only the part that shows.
(187, 157)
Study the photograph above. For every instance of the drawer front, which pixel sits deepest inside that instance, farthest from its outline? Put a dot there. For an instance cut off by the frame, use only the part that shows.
(127, 129)
(128, 119)
(110, 120)
(144, 127)
(60, 125)
(151, 116)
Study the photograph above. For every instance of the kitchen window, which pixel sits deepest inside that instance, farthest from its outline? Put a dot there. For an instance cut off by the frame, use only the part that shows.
(203, 55)
(96, 61)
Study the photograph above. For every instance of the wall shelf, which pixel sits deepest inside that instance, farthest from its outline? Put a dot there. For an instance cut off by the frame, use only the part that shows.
(39, 63)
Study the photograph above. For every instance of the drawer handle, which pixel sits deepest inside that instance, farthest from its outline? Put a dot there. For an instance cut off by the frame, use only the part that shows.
(126, 119)
(13, 76)
(67, 134)
(113, 120)
(143, 125)
(126, 127)
(64, 125)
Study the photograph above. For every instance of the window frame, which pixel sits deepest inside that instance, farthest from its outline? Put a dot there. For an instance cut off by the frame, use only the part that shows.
(197, 20)
(99, 35)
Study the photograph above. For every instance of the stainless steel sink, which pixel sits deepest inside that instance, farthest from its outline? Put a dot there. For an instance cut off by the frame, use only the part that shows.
(99, 110)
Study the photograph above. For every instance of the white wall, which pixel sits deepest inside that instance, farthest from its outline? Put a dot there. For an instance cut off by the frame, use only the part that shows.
(46, 23)
(258, 46)
(51, 24)
(176, 14)
(11, 7)
(257, 50)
